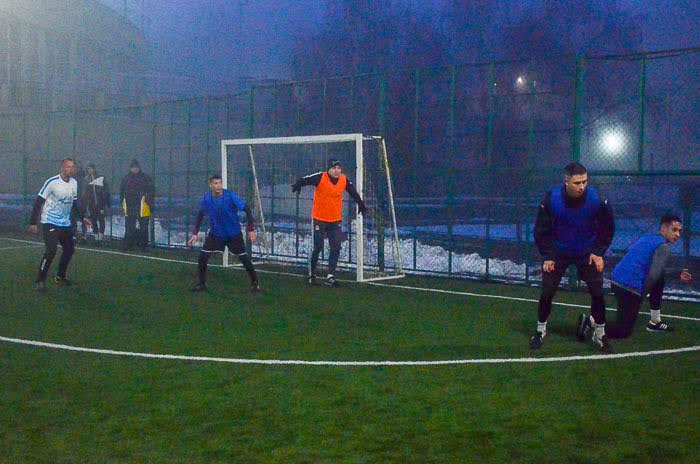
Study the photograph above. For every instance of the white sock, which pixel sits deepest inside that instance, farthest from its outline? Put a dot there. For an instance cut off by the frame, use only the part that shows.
(655, 316)
(599, 330)
(542, 327)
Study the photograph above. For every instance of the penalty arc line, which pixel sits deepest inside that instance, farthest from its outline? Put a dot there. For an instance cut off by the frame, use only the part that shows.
(377, 284)
(293, 362)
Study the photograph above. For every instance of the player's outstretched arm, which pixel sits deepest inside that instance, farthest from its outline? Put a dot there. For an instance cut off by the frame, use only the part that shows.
(350, 188)
(311, 179)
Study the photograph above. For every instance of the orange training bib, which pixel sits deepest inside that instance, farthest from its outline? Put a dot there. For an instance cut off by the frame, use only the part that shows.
(328, 199)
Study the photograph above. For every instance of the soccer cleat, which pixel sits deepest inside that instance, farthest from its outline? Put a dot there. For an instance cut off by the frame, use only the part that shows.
(199, 288)
(583, 327)
(331, 281)
(62, 281)
(536, 340)
(254, 287)
(659, 327)
(39, 286)
(602, 343)
(311, 280)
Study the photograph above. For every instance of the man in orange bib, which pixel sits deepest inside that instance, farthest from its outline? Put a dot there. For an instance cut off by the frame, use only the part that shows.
(327, 214)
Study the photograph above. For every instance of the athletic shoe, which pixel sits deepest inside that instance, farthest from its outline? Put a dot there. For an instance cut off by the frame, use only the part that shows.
(254, 287)
(331, 281)
(536, 341)
(659, 327)
(583, 327)
(62, 281)
(39, 286)
(199, 288)
(603, 343)
(311, 280)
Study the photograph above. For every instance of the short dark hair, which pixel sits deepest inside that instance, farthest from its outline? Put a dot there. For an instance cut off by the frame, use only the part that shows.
(214, 177)
(668, 218)
(575, 169)
(67, 159)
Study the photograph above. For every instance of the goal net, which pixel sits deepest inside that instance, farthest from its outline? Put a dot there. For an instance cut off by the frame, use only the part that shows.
(262, 170)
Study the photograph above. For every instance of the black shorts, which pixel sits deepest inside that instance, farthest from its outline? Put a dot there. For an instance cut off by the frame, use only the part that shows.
(332, 230)
(235, 244)
(53, 235)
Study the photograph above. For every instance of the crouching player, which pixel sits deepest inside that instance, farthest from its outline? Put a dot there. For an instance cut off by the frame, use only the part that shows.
(641, 273)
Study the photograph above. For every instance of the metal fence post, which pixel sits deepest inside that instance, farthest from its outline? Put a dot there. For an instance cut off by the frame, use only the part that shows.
(578, 103)
(642, 93)
(189, 162)
(489, 157)
(416, 105)
(450, 172)
(25, 161)
(152, 222)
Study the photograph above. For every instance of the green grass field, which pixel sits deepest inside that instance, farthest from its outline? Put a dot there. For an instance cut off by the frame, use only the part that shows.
(60, 406)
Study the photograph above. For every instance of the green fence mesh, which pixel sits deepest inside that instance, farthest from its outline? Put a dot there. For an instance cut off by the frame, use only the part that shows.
(472, 149)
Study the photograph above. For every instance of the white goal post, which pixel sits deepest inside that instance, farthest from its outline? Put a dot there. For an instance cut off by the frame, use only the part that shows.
(265, 152)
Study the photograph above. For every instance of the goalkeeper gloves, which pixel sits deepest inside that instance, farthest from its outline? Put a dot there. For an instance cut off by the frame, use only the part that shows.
(296, 188)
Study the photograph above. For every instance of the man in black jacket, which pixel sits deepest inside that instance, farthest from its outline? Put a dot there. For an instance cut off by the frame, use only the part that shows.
(574, 226)
(137, 195)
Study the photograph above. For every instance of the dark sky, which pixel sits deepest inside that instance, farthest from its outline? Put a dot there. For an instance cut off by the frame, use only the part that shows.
(215, 41)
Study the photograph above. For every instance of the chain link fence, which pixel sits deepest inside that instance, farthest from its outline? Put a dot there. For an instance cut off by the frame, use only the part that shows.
(472, 149)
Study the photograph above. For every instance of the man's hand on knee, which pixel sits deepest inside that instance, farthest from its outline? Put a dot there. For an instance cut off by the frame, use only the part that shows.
(597, 261)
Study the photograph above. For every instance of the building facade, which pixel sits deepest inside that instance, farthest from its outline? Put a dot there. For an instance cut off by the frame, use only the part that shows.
(69, 54)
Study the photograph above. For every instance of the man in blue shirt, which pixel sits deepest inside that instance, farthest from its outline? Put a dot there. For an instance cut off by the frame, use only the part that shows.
(639, 273)
(222, 207)
(53, 206)
(574, 226)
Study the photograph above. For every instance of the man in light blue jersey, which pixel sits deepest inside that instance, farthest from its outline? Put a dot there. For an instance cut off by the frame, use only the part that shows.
(222, 207)
(638, 274)
(53, 206)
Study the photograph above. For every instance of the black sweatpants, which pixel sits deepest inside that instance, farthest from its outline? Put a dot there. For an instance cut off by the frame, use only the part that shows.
(334, 232)
(133, 235)
(587, 272)
(53, 235)
(628, 305)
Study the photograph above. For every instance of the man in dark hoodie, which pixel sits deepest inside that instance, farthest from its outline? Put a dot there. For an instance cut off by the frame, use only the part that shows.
(137, 195)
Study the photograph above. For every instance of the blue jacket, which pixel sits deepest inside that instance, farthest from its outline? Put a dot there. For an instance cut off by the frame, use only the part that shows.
(633, 268)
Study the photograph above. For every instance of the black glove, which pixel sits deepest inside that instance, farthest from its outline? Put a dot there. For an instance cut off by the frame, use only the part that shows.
(296, 188)
(363, 209)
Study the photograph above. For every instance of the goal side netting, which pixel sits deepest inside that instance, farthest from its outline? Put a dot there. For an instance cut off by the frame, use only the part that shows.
(262, 170)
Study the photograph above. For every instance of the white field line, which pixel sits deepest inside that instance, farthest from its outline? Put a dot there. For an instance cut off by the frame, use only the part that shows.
(347, 363)
(378, 284)
(21, 247)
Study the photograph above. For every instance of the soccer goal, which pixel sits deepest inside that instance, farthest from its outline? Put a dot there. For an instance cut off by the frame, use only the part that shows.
(261, 170)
